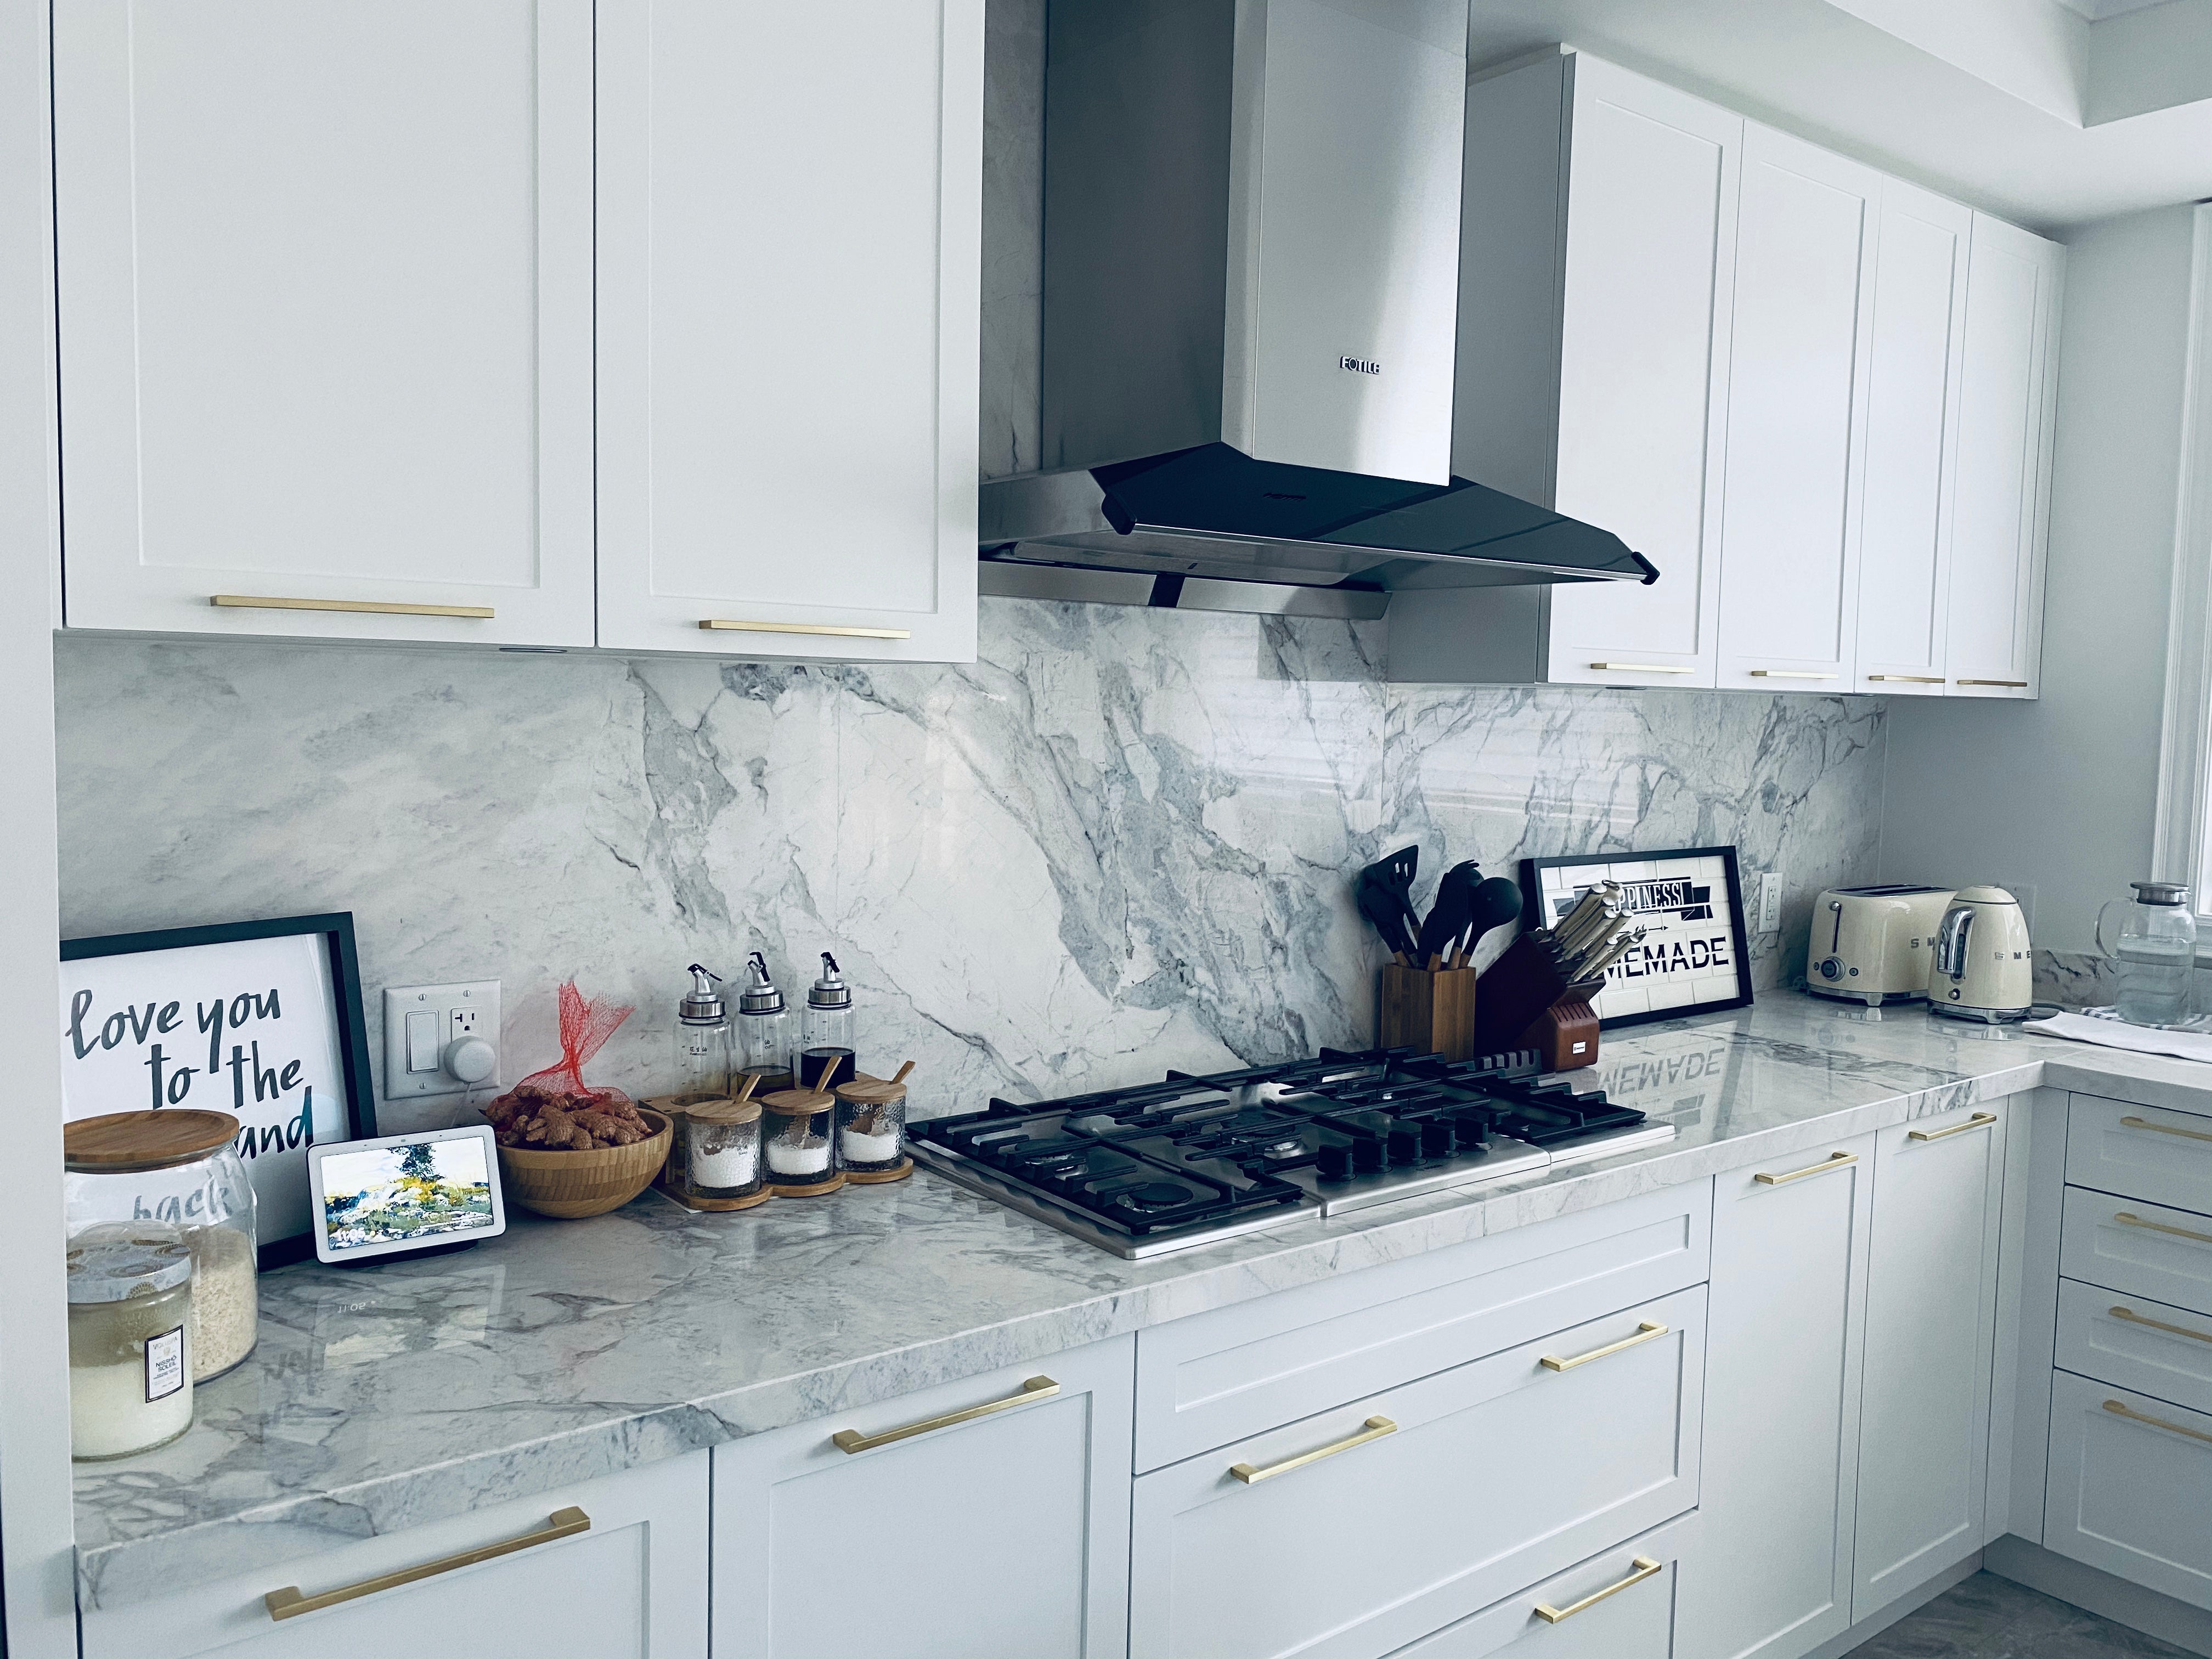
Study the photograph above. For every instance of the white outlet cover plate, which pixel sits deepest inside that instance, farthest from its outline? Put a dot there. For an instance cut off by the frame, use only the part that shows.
(1770, 903)
(477, 997)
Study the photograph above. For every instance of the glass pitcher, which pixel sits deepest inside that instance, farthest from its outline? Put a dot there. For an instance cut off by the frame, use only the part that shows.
(2153, 938)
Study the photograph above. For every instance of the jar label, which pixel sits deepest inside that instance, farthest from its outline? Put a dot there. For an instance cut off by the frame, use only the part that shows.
(165, 1364)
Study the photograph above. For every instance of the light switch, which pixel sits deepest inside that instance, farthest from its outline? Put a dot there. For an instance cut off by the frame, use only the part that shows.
(422, 1044)
(425, 1025)
(1770, 903)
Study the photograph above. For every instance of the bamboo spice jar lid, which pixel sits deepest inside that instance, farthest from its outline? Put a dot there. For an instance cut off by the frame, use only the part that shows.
(798, 1102)
(866, 1090)
(723, 1110)
(118, 1142)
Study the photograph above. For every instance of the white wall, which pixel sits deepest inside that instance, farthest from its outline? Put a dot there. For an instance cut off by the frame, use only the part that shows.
(2058, 796)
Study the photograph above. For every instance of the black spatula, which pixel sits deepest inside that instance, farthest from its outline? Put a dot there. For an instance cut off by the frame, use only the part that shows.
(1383, 891)
(1450, 913)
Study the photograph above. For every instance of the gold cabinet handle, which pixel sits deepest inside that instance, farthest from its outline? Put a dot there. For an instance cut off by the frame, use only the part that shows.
(367, 607)
(1643, 668)
(852, 1440)
(1645, 1568)
(719, 625)
(1374, 1428)
(1910, 679)
(2135, 1318)
(288, 1603)
(1789, 674)
(1645, 1332)
(1979, 1120)
(1834, 1161)
(2017, 686)
(2163, 1129)
(2129, 1219)
(2118, 1408)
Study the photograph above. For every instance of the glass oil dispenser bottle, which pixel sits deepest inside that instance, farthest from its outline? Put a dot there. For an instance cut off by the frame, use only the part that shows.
(826, 1030)
(763, 1032)
(703, 1040)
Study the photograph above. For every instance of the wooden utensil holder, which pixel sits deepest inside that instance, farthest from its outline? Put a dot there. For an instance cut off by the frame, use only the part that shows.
(1429, 1010)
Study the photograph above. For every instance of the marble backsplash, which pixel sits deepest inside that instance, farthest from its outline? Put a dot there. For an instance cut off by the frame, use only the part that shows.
(1122, 839)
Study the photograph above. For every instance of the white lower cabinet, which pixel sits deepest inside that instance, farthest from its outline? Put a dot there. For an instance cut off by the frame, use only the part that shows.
(2129, 1487)
(630, 1584)
(985, 1519)
(1930, 1341)
(1780, 1477)
(1362, 1528)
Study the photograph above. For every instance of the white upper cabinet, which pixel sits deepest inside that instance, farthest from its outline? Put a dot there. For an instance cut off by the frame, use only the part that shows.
(789, 226)
(325, 279)
(1806, 233)
(2008, 403)
(1912, 442)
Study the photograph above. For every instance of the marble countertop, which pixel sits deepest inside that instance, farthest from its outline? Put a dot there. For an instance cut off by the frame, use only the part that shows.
(381, 1398)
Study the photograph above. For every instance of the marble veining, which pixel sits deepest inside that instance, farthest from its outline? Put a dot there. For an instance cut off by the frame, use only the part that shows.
(379, 1400)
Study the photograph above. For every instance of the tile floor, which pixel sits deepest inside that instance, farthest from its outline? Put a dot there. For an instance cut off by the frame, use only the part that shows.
(1987, 1617)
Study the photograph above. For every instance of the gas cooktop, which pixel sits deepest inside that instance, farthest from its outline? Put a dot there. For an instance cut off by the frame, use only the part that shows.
(1168, 1165)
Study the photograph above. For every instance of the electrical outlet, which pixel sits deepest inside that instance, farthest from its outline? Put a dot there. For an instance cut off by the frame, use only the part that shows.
(421, 1021)
(1770, 903)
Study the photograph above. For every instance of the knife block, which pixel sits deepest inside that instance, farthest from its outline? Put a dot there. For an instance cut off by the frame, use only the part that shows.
(1565, 1034)
(1516, 989)
(1429, 1010)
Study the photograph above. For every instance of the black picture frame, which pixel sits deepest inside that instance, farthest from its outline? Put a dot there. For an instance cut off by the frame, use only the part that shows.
(1602, 865)
(351, 1027)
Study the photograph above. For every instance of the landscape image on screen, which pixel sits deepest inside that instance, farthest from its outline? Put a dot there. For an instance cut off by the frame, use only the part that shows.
(410, 1193)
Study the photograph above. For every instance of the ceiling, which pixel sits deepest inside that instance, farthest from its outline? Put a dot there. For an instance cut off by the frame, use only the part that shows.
(2049, 114)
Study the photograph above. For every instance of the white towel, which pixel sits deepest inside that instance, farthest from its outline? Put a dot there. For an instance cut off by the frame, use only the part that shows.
(2117, 1034)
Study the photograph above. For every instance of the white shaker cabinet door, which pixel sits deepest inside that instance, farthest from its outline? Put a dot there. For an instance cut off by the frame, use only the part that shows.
(789, 213)
(325, 279)
(2000, 520)
(983, 1519)
(1804, 306)
(1931, 1337)
(1782, 1415)
(1912, 442)
(1646, 307)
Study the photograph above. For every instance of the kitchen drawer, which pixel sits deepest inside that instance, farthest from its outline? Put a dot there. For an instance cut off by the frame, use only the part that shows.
(1631, 1618)
(2136, 1343)
(1496, 1475)
(2137, 1248)
(1215, 1377)
(2134, 1497)
(633, 1583)
(2140, 1151)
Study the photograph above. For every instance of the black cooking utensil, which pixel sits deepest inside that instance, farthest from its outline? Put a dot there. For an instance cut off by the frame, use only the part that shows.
(1450, 913)
(1383, 891)
(1492, 904)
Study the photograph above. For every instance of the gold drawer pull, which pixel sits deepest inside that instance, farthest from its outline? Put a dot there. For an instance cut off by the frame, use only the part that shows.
(366, 607)
(2128, 1218)
(1789, 674)
(288, 1603)
(717, 625)
(1645, 1567)
(2163, 1129)
(2017, 686)
(2135, 1318)
(1979, 1120)
(1910, 679)
(852, 1440)
(1645, 1332)
(1374, 1428)
(1834, 1161)
(1643, 668)
(2118, 1409)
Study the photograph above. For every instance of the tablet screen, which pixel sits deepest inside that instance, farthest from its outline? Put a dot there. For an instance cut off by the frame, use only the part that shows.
(416, 1191)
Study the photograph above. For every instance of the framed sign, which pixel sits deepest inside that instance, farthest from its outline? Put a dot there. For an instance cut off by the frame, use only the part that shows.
(261, 1020)
(1693, 957)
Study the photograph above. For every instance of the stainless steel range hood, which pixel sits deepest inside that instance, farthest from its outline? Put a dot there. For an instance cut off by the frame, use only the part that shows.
(1251, 273)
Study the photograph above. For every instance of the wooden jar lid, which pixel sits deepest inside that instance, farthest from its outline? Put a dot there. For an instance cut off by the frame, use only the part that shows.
(866, 1090)
(723, 1110)
(797, 1102)
(117, 1142)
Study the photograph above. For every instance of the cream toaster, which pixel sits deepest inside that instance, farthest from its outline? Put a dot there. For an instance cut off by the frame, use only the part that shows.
(1873, 945)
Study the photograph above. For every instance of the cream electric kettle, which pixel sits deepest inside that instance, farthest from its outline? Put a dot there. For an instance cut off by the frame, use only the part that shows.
(1983, 969)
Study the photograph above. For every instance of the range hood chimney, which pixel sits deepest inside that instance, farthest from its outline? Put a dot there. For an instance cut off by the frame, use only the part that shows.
(1251, 286)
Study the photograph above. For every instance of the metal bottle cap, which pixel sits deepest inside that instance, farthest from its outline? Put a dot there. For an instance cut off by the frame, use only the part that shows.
(830, 990)
(704, 1005)
(2161, 892)
(760, 997)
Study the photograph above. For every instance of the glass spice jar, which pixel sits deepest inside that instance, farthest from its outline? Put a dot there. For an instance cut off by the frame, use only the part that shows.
(129, 1340)
(797, 1130)
(722, 1150)
(179, 1168)
(871, 1129)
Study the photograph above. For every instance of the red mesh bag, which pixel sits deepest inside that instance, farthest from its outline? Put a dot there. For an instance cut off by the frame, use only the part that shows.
(555, 1109)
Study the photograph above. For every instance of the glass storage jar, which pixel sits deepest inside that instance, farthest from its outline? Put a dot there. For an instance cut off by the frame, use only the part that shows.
(179, 1168)
(871, 1129)
(129, 1340)
(722, 1165)
(797, 1135)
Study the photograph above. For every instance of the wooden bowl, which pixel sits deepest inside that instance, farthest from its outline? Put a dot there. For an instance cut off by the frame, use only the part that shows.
(571, 1184)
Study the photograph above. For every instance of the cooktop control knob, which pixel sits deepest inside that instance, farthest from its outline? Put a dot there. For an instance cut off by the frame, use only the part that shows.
(1436, 1138)
(1474, 1132)
(1829, 968)
(1405, 1146)
(1334, 1160)
(1367, 1155)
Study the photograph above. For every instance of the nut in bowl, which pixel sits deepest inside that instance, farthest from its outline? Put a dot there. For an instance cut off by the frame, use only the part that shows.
(570, 1182)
